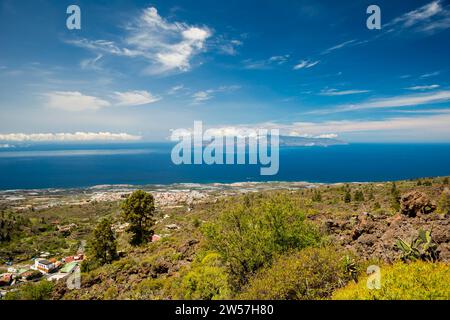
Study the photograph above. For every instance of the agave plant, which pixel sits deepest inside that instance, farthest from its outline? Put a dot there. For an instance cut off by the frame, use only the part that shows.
(421, 248)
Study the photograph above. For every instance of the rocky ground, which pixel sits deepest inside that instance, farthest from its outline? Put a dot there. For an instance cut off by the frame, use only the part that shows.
(373, 236)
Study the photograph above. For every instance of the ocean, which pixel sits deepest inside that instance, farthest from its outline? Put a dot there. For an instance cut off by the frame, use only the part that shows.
(73, 166)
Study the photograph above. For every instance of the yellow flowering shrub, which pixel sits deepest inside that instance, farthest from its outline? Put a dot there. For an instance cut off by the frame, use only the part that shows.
(400, 281)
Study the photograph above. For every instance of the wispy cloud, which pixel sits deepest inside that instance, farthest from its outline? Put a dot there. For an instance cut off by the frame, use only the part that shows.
(335, 92)
(201, 96)
(134, 98)
(164, 45)
(74, 101)
(422, 88)
(414, 127)
(175, 89)
(339, 46)
(431, 17)
(204, 95)
(392, 102)
(91, 63)
(229, 47)
(428, 127)
(266, 63)
(77, 136)
(430, 74)
(305, 64)
(408, 128)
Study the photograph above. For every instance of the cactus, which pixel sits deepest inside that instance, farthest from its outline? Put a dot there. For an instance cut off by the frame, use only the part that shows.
(421, 248)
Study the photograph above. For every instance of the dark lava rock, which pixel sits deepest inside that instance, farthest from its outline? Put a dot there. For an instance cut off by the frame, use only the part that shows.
(415, 203)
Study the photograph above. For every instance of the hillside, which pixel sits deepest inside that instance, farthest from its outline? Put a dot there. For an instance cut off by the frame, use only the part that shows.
(229, 242)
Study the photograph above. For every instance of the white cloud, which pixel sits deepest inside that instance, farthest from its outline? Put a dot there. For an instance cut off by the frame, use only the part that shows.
(279, 59)
(170, 45)
(77, 136)
(420, 88)
(205, 95)
(105, 47)
(91, 63)
(412, 128)
(165, 46)
(392, 102)
(416, 127)
(229, 47)
(74, 101)
(305, 64)
(175, 89)
(338, 46)
(135, 98)
(335, 92)
(430, 74)
(201, 96)
(327, 136)
(431, 17)
(265, 63)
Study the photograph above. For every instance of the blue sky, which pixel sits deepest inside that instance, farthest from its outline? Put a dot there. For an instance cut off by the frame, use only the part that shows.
(137, 69)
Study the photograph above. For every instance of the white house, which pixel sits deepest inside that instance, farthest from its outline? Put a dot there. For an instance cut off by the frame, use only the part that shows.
(44, 265)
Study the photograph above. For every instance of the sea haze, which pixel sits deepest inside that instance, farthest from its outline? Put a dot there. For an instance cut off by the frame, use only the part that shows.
(67, 166)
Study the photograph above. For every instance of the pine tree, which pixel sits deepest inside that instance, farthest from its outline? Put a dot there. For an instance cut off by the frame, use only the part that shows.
(138, 210)
(103, 243)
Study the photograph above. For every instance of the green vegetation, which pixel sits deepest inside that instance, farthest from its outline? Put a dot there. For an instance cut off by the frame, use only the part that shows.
(268, 244)
(347, 196)
(103, 245)
(309, 274)
(11, 226)
(317, 196)
(247, 238)
(444, 203)
(138, 210)
(207, 280)
(400, 281)
(32, 291)
(395, 197)
(359, 196)
(421, 248)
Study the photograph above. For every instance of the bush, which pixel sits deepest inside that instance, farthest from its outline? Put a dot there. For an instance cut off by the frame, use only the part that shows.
(149, 289)
(416, 281)
(32, 291)
(206, 281)
(309, 274)
(248, 237)
(444, 202)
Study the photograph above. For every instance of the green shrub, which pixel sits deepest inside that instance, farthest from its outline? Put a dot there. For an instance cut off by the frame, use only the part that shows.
(248, 237)
(359, 196)
(317, 196)
(32, 291)
(309, 274)
(148, 289)
(415, 281)
(444, 203)
(207, 280)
